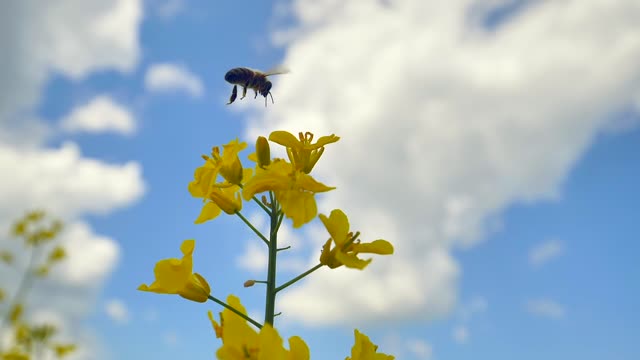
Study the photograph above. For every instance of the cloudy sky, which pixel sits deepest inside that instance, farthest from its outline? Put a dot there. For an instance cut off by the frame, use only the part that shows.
(495, 143)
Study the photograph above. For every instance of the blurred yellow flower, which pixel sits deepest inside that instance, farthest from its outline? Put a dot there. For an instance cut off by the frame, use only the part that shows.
(364, 349)
(6, 257)
(63, 350)
(240, 341)
(16, 313)
(58, 253)
(175, 276)
(294, 190)
(347, 245)
(15, 354)
(302, 153)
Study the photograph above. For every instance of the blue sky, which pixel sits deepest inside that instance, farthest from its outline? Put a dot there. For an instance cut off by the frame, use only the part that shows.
(494, 143)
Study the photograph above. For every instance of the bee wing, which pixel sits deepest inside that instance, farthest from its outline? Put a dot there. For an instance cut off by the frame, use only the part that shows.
(277, 71)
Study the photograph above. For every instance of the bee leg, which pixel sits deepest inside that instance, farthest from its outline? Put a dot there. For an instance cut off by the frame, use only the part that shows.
(244, 92)
(256, 92)
(234, 94)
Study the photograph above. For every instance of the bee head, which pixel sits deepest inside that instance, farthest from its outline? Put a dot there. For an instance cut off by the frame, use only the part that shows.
(264, 90)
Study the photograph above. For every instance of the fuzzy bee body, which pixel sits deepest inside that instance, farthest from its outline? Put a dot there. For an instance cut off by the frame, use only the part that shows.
(250, 79)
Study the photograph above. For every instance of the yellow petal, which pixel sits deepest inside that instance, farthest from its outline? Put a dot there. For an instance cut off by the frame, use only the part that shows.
(351, 260)
(326, 256)
(232, 171)
(270, 344)
(298, 349)
(306, 182)
(203, 178)
(324, 140)
(216, 327)
(265, 181)
(188, 246)
(284, 138)
(381, 247)
(337, 225)
(172, 275)
(298, 206)
(209, 211)
(237, 333)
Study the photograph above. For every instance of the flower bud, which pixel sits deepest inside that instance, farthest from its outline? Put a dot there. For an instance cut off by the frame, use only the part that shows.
(229, 202)
(197, 289)
(263, 152)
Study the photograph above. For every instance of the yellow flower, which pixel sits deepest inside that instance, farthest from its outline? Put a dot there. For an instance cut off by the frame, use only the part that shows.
(220, 196)
(294, 190)
(240, 341)
(175, 276)
(302, 153)
(347, 245)
(221, 199)
(204, 178)
(364, 349)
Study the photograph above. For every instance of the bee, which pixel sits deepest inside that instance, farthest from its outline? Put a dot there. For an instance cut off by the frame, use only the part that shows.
(251, 79)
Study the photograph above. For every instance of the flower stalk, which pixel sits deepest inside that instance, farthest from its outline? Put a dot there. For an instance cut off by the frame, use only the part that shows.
(270, 303)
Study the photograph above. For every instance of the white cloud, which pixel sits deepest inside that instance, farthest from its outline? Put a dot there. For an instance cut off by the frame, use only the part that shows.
(545, 308)
(39, 39)
(420, 348)
(460, 334)
(172, 77)
(168, 9)
(99, 115)
(117, 311)
(254, 258)
(444, 124)
(90, 257)
(88, 344)
(544, 252)
(64, 182)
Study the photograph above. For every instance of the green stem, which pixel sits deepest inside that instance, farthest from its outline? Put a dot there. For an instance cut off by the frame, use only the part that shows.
(263, 206)
(280, 220)
(295, 279)
(252, 227)
(23, 287)
(237, 312)
(271, 270)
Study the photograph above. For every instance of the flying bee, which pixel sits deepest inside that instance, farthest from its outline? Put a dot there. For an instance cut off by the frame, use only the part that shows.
(251, 79)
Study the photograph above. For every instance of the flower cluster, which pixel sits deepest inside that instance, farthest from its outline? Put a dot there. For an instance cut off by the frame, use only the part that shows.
(38, 233)
(288, 190)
